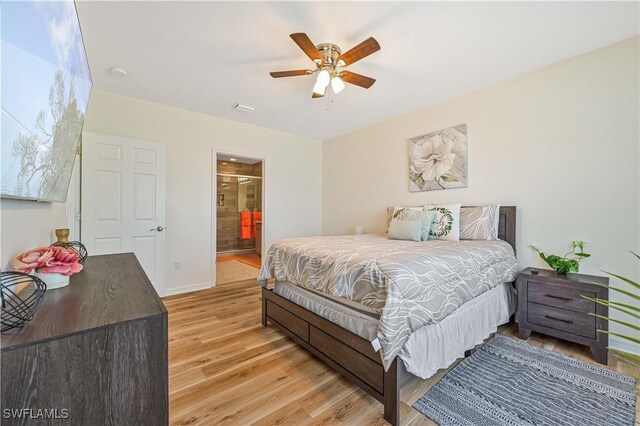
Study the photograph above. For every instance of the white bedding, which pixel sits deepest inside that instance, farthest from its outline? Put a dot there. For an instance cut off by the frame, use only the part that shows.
(429, 348)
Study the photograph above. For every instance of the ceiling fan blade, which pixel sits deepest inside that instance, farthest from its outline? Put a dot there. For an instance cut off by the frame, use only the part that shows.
(292, 73)
(362, 50)
(357, 79)
(304, 42)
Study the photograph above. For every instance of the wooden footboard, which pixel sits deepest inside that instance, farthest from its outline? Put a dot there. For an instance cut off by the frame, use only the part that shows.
(349, 354)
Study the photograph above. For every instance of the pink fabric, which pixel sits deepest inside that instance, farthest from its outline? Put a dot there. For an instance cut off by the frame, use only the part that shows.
(48, 260)
(28, 261)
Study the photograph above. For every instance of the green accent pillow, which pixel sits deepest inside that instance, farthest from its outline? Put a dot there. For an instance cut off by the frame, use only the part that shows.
(395, 212)
(410, 230)
(426, 218)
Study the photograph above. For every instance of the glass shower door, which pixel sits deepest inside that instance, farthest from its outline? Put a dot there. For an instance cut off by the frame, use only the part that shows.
(239, 206)
(250, 208)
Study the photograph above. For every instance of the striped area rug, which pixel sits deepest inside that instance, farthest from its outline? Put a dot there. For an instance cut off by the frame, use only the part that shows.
(508, 382)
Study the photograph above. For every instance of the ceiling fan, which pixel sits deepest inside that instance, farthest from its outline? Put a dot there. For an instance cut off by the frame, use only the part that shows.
(329, 60)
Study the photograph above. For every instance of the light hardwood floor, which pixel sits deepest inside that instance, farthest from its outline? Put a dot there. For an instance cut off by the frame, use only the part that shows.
(226, 368)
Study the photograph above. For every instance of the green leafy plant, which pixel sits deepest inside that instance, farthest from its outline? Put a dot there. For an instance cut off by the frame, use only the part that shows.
(632, 311)
(564, 264)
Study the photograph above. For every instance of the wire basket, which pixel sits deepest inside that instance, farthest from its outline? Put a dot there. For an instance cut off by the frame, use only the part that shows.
(19, 304)
(77, 246)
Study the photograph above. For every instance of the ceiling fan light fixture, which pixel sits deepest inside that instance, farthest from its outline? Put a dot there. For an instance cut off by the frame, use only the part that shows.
(337, 85)
(319, 89)
(328, 58)
(324, 78)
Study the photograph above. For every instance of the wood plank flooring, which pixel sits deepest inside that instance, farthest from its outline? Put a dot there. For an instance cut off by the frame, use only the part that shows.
(251, 259)
(226, 369)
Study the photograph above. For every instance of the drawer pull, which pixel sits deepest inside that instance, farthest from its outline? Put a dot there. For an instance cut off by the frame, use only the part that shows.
(558, 319)
(558, 297)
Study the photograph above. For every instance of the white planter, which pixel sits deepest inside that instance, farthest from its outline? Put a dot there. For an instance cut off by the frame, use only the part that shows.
(53, 280)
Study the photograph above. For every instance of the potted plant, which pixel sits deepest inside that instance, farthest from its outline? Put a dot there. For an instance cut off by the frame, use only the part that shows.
(565, 264)
(53, 265)
(630, 310)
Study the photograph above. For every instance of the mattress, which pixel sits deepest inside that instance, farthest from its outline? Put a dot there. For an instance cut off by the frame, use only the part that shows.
(410, 284)
(429, 348)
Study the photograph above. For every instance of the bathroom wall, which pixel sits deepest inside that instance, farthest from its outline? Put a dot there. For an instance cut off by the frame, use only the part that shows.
(233, 198)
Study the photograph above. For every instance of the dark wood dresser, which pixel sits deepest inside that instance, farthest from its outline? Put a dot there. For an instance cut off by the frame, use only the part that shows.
(95, 352)
(552, 304)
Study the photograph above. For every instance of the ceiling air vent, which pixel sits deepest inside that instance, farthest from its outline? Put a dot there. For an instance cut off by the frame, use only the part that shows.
(244, 108)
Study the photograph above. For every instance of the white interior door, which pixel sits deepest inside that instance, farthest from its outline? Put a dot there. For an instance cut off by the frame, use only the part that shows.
(123, 200)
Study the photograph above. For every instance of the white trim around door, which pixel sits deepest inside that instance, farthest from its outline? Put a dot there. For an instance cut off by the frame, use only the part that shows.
(214, 182)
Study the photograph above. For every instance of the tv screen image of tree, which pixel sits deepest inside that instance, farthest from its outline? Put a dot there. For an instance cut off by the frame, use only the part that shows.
(46, 85)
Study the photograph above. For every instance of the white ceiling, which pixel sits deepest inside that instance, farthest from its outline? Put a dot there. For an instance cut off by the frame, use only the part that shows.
(206, 56)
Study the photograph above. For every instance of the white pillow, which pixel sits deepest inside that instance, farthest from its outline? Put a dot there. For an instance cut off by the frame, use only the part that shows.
(446, 224)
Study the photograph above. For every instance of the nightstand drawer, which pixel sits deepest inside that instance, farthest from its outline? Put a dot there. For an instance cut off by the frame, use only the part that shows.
(560, 319)
(559, 296)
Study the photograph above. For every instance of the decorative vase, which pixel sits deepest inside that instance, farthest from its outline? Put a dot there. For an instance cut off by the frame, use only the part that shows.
(63, 235)
(53, 280)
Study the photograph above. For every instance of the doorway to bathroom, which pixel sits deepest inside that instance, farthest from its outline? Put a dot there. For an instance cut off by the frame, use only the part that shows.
(239, 202)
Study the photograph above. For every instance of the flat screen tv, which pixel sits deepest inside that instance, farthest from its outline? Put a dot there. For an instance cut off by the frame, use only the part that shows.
(44, 96)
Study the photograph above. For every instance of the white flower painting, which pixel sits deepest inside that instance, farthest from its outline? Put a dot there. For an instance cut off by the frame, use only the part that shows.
(438, 160)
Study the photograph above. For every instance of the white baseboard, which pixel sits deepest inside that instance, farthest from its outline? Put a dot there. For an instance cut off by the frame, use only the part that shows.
(187, 288)
(621, 344)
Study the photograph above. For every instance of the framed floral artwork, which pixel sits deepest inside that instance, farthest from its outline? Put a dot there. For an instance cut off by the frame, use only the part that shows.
(438, 160)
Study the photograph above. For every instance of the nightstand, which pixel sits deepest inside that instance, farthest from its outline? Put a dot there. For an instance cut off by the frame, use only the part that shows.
(552, 304)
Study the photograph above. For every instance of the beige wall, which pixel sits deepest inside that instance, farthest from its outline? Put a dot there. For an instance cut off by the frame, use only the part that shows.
(29, 224)
(293, 202)
(560, 143)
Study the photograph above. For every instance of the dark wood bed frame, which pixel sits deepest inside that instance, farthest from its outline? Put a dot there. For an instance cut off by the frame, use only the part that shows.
(349, 354)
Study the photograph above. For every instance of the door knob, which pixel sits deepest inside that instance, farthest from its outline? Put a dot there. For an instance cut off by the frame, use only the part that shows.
(159, 228)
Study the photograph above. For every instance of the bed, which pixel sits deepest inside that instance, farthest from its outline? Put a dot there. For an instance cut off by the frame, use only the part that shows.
(372, 307)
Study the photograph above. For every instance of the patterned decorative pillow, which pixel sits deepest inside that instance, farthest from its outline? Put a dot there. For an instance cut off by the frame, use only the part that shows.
(405, 230)
(394, 213)
(479, 223)
(446, 224)
(425, 218)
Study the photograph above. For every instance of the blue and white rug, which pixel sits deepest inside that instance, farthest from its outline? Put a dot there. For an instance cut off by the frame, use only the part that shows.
(507, 382)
